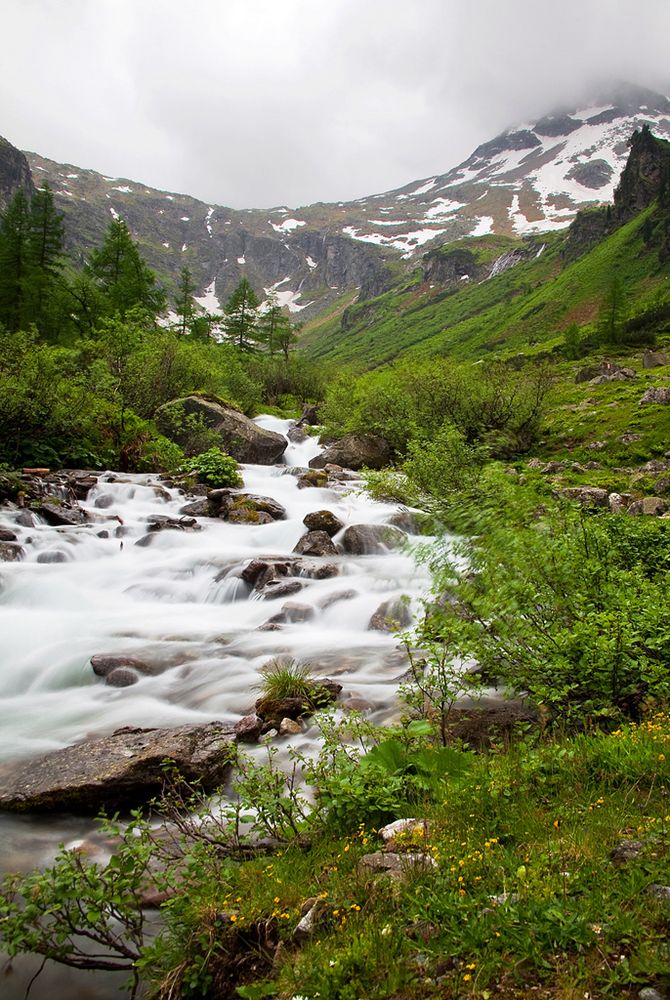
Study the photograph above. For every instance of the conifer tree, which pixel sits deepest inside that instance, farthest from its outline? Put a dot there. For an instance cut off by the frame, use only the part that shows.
(120, 273)
(274, 327)
(14, 261)
(45, 262)
(183, 303)
(241, 317)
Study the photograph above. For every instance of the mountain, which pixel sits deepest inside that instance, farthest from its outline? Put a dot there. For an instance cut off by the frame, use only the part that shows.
(515, 296)
(319, 259)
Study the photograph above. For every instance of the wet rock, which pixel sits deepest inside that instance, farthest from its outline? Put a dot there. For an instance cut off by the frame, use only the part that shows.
(281, 588)
(104, 501)
(355, 704)
(52, 556)
(293, 613)
(649, 506)
(656, 394)
(59, 516)
(161, 522)
(104, 663)
(245, 515)
(296, 434)
(248, 729)
(340, 595)
(315, 543)
(391, 616)
(11, 552)
(310, 415)
(260, 572)
(7, 535)
(626, 851)
(238, 435)
(317, 571)
(313, 478)
(587, 496)
(406, 521)
(117, 771)
(323, 520)
(355, 451)
(121, 677)
(196, 508)
(25, 519)
(102, 534)
(274, 709)
(371, 539)
(289, 727)
(261, 505)
(142, 542)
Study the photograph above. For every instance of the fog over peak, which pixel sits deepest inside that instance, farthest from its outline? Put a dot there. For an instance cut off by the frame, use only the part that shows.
(268, 102)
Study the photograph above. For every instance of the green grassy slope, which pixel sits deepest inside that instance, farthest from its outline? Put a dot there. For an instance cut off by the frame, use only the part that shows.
(524, 309)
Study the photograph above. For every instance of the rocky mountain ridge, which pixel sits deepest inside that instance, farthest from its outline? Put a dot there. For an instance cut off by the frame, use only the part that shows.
(531, 179)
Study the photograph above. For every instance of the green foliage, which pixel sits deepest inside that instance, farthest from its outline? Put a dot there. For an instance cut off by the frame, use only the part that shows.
(491, 405)
(282, 678)
(215, 468)
(241, 317)
(561, 604)
(121, 275)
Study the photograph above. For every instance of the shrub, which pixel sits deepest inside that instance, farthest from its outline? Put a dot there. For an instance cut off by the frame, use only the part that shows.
(215, 468)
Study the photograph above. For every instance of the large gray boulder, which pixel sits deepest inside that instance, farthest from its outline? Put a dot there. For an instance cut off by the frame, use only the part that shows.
(656, 394)
(238, 435)
(116, 772)
(354, 451)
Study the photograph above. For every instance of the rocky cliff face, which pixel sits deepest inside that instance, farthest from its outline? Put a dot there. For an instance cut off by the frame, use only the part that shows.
(530, 179)
(14, 173)
(645, 177)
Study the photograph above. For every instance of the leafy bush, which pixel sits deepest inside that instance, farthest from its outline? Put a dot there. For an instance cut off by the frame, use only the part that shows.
(215, 468)
(566, 606)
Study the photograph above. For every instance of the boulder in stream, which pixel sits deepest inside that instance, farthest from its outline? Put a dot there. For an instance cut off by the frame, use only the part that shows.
(323, 520)
(355, 451)
(315, 543)
(119, 771)
(11, 552)
(61, 516)
(238, 435)
(371, 539)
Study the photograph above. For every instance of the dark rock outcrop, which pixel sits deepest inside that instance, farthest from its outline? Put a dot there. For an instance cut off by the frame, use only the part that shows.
(238, 435)
(355, 451)
(117, 771)
(15, 173)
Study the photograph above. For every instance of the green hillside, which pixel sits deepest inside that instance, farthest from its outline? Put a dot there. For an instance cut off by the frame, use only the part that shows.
(526, 307)
(561, 279)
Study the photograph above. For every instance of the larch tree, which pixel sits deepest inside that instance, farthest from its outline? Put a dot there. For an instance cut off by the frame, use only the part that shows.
(241, 317)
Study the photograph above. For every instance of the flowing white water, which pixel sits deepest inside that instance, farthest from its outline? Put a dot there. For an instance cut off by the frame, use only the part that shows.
(179, 603)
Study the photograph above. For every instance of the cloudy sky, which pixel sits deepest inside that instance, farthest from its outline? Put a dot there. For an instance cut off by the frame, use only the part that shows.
(268, 102)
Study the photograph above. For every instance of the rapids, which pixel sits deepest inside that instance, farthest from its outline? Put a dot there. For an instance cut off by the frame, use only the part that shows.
(178, 602)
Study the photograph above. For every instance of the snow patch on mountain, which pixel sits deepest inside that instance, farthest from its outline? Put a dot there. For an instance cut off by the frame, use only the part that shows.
(209, 299)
